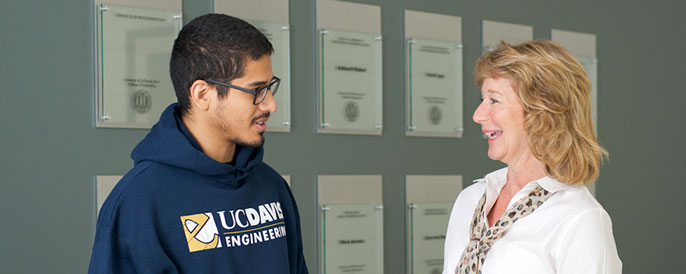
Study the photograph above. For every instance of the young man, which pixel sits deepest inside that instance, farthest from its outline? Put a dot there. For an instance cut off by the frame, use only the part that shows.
(199, 198)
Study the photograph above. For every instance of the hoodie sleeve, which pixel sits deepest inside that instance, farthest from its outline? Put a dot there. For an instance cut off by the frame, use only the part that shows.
(125, 240)
(113, 254)
(110, 253)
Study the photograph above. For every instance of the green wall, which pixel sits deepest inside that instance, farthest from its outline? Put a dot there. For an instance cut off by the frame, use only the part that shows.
(50, 150)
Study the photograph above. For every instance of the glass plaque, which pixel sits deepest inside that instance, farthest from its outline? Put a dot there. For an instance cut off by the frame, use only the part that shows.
(591, 67)
(434, 88)
(134, 45)
(103, 186)
(428, 225)
(350, 100)
(352, 239)
(492, 32)
(279, 35)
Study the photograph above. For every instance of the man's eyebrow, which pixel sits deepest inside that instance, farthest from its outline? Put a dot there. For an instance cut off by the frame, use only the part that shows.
(258, 84)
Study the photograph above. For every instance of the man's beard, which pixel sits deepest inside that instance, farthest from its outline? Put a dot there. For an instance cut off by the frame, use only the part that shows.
(253, 144)
(219, 118)
(257, 143)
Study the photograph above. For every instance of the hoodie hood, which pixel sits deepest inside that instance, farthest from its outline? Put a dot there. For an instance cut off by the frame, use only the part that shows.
(169, 142)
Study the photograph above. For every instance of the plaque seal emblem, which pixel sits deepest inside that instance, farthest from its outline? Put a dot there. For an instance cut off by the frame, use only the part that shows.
(352, 111)
(435, 115)
(142, 101)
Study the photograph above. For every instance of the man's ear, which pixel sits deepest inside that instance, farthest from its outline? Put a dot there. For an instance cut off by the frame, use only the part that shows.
(200, 95)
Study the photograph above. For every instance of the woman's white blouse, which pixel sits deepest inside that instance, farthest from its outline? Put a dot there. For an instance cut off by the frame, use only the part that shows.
(569, 234)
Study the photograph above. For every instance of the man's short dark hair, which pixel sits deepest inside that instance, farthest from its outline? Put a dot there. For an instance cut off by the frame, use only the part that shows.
(216, 47)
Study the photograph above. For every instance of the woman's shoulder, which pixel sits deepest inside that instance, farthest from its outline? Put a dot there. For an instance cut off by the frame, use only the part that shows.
(575, 207)
(584, 231)
(574, 197)
(578, 198)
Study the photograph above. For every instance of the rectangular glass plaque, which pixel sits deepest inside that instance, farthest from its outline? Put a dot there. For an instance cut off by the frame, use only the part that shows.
(428, 225)
(350, 99)
(133, 49)
(103, 187)
(492, 32)
(591, 67)
(279, 35)
(352, 239)
(434, 96)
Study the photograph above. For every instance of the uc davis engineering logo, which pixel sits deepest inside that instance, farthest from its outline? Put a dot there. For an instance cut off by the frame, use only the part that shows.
(201, 232)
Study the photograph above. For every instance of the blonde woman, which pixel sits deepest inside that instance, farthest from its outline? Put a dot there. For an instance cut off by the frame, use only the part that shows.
(535, 215)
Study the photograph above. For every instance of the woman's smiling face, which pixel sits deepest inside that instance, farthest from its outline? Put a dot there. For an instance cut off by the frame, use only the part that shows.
(501, 116)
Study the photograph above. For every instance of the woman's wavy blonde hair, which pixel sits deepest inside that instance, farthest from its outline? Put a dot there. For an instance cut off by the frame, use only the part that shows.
(556, 95)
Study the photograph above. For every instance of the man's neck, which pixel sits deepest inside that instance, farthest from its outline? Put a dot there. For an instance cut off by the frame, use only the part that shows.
(210, 141)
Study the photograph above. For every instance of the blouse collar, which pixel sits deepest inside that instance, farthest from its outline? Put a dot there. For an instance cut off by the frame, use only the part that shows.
(497, 179)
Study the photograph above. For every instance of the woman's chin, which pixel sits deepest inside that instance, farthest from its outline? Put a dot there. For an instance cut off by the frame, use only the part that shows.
(494, 156)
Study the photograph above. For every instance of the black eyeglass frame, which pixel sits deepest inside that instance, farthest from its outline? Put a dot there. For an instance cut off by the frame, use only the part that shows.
(273, 86)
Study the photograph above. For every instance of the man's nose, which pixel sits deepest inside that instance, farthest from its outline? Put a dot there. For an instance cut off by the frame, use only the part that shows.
(268, 104)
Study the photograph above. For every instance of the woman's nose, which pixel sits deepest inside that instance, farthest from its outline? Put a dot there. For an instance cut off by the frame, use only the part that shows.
(479, 115)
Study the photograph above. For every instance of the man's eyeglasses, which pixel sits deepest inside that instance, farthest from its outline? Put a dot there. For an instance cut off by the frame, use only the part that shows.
(259, 93)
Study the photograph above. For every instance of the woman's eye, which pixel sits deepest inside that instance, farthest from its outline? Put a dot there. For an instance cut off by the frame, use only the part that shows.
(493, 101)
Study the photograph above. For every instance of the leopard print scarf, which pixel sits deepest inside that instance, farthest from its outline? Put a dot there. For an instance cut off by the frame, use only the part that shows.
(482, 237)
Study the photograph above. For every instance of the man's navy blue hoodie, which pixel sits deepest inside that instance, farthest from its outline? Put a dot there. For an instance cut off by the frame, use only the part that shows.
(179, 211)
